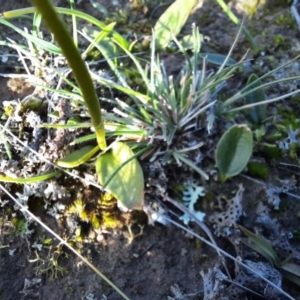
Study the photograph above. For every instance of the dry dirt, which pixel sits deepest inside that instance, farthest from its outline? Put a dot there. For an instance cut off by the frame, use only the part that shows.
(164, 255)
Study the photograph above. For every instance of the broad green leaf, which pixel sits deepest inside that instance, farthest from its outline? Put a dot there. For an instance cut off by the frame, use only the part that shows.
(171, 22)
(234, 150)
(261, 246)
(29, 179)
(78, 157)
(120, 173)
(257, 113)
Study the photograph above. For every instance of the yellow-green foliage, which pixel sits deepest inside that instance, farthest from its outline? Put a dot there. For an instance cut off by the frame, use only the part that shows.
(108, 212)
(109, 220)
(78, 235)
(250, 7)
(285, 20)
(78, 207)
(95, 221)
(106, 200)
(279, 39)
(9, 110)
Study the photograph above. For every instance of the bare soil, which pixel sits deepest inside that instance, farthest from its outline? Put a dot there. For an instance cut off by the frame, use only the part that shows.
(163, 256)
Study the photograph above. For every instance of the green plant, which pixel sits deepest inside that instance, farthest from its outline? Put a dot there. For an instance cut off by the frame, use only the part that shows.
(171, 22)
(236, 21)
(290, 270)
(80, 71)
(158, 120)
(258, 113)
(86, 89)
(170, 107)
(234, 150)
(174, 18)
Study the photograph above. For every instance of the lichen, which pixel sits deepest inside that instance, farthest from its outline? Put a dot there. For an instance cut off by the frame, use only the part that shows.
(273, 191)
(224, 220)
(191, 195)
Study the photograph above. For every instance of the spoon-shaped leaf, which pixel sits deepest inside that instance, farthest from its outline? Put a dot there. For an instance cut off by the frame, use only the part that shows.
(120, 173)
(171, 22)
(234, 150)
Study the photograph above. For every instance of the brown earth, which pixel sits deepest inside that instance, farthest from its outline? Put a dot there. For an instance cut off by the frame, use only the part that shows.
(164, 256)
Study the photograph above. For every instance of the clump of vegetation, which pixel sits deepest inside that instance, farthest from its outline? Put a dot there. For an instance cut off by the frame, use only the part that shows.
(173, 120)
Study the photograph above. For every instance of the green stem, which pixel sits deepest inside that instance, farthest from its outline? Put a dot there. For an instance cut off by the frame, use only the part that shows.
(81, 73)
(236, 21)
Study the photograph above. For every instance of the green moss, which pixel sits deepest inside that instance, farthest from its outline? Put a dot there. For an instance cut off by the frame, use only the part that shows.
(273, 152)
(272, 61)
(78, 235)
(279, 40)
(107, 200)
(258, 170)
(78, 207)
(285, 20)
(20, 226)
(109, 220)
(95, 221)
(291, 118)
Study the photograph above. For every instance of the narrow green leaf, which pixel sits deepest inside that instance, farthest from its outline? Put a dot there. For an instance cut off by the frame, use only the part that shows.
(37, 20)
(171, 22)
(262, 246)
(292, 268)
(50, 47)
(291, 277)
(236, 21)
(234, 150)
(257, 113)
(218, 59)
(68, 11)
(100, 35)
(66, 126)
(78, 157)
(127, 185)
(191, 164)
(29, 179)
